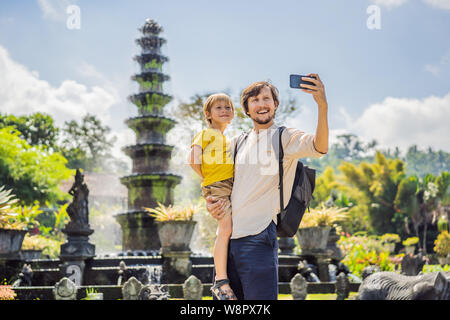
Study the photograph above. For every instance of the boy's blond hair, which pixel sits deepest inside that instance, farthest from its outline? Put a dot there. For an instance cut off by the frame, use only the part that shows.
(217, 97)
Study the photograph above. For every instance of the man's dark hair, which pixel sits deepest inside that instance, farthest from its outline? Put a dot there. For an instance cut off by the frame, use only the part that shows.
(254, 89)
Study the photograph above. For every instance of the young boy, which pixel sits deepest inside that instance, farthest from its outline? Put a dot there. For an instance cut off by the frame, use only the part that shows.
(210, 158)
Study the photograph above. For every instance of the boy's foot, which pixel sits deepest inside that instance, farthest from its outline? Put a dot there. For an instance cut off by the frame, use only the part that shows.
(222, 290)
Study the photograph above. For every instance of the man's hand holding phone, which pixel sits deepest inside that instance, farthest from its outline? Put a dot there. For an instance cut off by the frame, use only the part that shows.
(312, 84)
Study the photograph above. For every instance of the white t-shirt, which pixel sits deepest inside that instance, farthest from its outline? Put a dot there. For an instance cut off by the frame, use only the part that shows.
(255, 199)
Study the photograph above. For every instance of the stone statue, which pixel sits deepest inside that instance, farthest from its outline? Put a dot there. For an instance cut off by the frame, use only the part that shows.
(131, 289)
(308, 271)
(342, 286)
(299, 287)
(393, 286)
(412, 265)
(25, 277)
(65, 290)
(77, 247)
(123, 273)
(192, 288)
(78, 209)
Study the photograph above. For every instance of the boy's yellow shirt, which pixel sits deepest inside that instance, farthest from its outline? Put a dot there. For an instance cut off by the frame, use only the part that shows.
(217, 163)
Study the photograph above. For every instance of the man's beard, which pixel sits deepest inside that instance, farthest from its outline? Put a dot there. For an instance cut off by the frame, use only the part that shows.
(265, 121)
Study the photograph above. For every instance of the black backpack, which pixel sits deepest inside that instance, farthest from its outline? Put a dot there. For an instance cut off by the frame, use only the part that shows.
(288, 220)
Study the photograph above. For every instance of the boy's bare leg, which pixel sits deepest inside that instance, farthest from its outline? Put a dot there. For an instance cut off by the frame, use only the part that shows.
(221, 249)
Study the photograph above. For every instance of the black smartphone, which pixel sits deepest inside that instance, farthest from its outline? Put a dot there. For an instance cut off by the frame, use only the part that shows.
(296, 79)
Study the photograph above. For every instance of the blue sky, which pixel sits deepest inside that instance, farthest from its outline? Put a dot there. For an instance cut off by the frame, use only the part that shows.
(389, 84)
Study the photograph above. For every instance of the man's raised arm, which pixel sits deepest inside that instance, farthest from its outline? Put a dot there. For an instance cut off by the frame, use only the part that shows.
(318, 92)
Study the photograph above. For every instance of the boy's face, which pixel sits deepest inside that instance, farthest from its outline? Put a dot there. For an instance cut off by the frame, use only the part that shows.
(221, 112)
(261, 108)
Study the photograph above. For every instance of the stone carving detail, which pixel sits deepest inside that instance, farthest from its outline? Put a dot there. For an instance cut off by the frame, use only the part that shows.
(153, 292)
(342, 286)
(394, 286)
(299, 287)
(131, 289)
(25, 277)
(123, 273)
(192, 288)
(308, 271)
(412, 265)
(65, 290)
(74, 273)
(367, 271)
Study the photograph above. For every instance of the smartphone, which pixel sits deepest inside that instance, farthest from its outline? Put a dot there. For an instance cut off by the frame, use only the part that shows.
(296, 79)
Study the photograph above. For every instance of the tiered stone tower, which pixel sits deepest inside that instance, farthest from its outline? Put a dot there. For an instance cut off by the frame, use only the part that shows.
(150, 181)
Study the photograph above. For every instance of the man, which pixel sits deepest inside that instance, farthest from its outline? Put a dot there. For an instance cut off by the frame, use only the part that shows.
(253, 249)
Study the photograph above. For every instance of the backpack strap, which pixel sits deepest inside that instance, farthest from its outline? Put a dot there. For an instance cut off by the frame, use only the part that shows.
(241, 139)
(280, 167)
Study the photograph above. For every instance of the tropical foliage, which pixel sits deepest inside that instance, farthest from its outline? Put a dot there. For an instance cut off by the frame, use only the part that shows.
(32, 172)
(7, 212)
(361, 251)
(86, 145)
(323, 217)
(442, 244)
(34, 242)
(172, 213)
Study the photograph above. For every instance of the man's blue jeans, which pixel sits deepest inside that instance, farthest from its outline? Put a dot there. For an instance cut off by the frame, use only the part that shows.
(253, 265)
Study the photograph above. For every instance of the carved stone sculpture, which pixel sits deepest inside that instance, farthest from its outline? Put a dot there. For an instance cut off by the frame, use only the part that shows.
(123, 273)
(153, 292)
(342, 286)
(65, 290)
(307, 271)
(412, 265)
(394, 286)
(299, 287)
(192, 288)
(77, 246)
(25, 277)
(131, 289)
(78, 210)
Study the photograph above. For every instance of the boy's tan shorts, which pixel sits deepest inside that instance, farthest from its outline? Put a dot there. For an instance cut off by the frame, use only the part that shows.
(221, 190)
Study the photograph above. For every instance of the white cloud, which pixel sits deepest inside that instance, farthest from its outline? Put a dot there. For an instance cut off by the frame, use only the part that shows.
(439, 4)
(403, 122)
(23, 92)
(390, 3)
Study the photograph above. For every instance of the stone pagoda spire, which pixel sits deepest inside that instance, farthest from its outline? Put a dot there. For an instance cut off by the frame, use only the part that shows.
(150, 181)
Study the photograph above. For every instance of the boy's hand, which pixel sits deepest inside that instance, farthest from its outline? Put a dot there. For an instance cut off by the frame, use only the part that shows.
(215, 207)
